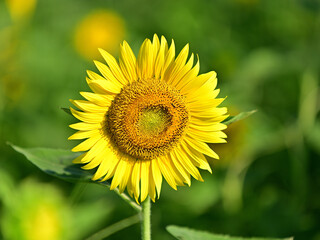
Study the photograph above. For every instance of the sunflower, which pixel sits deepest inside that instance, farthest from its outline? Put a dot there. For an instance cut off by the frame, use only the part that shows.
(148, 118)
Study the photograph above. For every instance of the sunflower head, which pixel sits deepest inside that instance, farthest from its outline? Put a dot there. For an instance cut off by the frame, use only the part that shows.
(148, 118)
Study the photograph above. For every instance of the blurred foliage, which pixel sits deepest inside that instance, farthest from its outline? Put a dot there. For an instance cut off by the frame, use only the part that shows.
(266, 54)
(183, 233)
(34, 210)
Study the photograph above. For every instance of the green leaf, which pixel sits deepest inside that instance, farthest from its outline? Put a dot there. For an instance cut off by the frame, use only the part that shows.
(58, 163)
(238, 117)
(55, 162)
(183, 233)
(67, 110)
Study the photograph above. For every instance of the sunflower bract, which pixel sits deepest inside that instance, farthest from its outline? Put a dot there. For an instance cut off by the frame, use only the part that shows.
(148, 118)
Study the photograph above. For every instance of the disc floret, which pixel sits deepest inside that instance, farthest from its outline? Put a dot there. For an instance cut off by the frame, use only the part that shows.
(146, 119)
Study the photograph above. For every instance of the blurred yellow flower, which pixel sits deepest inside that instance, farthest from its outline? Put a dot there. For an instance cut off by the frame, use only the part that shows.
(44, 223)
(36, 211)
(148, 118)
(100, 29)
(21, 9)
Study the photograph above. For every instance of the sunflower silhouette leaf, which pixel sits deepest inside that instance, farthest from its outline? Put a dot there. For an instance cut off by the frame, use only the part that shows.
(238, 117)
(183, 233)
(55, 162)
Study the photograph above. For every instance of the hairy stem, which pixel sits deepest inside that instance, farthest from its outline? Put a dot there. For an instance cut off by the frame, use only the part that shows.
(146, 219)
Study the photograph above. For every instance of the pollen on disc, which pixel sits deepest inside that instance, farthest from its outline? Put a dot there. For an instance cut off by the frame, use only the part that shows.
(146, 119)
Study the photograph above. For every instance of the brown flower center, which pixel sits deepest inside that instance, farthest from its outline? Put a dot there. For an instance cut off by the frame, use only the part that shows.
(146, 119)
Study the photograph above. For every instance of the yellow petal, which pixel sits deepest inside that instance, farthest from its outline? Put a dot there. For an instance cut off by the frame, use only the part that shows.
(130, 188)
(85, 126)
(178, 64)
(84, 134)
(126, 175)
(183, 158)
(169, 59)
(102, 169)
(94, 76)
(145, 66)
(191, 75)
(128, 62)
(88, 117)
(121, 174)
(155, 48)
(94, 151)
(195, 83)
(87, 144)
(135, 179)
(205, 105)
(206, 91)
(216, 112)
(159, 64)
(206, 121)
(81, 159)
(207, 128)
(114, 67)
(183, 71)
(221, 118)
(181, 172)
(174, 172)
(78, 159)
(152, 188)
(209, 113)
(94, 163)
(88, 106)
(201, 147)
(157, 177)
(107, 73)
(208, 137)
(112, 167)
(196, 157)
(145, 176)
(99, 99)
(166, 173)
(107, 159)
(106, 86)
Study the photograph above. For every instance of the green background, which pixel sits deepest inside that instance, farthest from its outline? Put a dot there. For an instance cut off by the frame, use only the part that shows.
(267, 56)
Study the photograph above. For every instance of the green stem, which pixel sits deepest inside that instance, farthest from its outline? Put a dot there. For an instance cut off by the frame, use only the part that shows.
(77, 192)
(127, 199)
(115, 228)
(146, 222)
